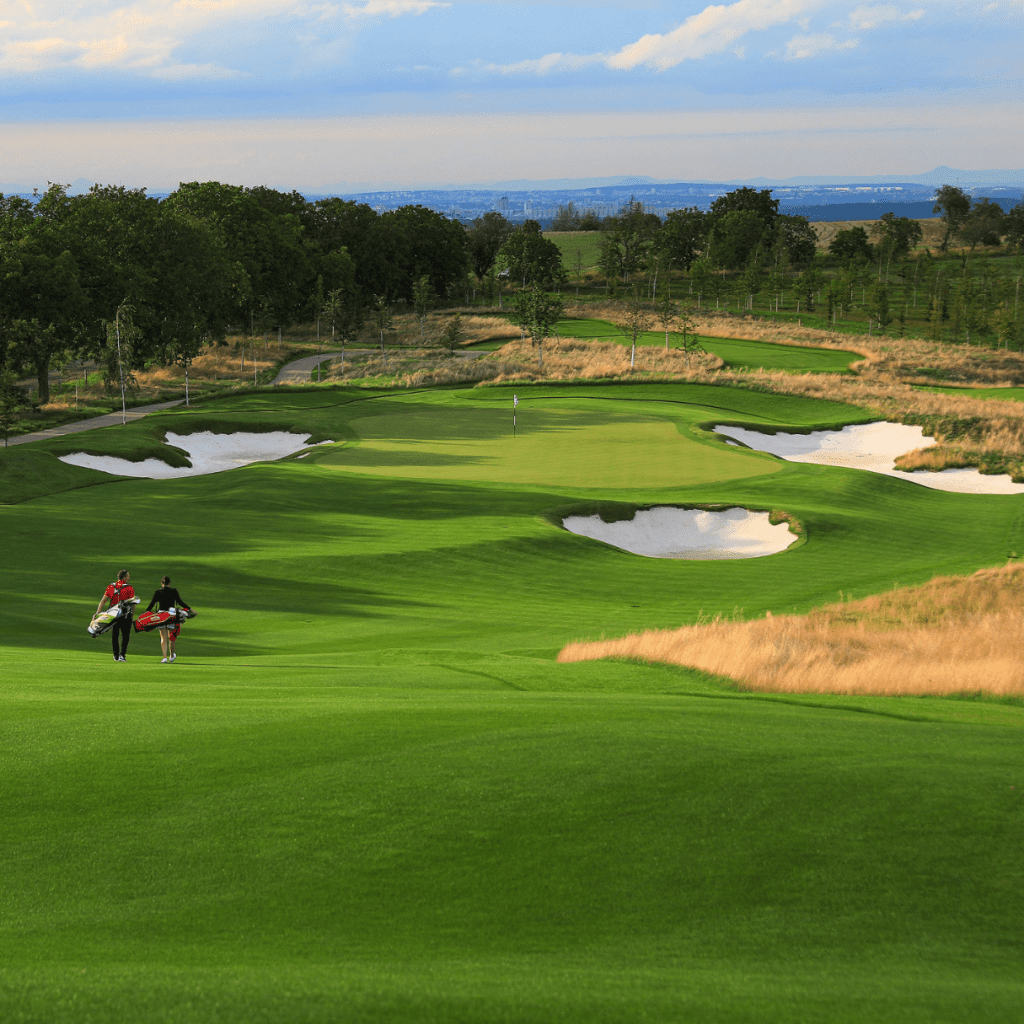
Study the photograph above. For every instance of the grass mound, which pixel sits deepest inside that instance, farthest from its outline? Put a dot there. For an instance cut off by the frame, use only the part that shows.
(954, 635)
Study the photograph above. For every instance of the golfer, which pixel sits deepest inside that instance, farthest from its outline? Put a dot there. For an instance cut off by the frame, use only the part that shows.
(120, 590)
(165, 598)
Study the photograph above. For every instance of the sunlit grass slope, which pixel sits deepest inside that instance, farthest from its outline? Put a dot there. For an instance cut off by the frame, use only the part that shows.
(367, 792)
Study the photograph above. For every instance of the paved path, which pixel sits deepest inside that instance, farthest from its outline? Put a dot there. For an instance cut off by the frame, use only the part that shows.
(109, 420)
(295, 372)
(298, 372)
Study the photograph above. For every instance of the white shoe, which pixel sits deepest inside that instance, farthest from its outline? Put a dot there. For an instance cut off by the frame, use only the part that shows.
(172, 657)
(163, 661)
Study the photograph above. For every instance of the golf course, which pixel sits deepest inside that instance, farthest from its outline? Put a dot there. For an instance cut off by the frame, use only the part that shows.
(367, 790)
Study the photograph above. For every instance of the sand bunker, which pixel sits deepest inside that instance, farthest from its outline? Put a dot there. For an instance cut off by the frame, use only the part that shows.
(667, 532)
(208, 453)
(874, 447)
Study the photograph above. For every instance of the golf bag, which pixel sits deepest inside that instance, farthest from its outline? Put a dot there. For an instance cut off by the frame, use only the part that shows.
(171, 618)
(103, 622)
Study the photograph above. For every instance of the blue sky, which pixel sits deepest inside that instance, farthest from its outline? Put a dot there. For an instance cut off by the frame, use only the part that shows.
(413, 92)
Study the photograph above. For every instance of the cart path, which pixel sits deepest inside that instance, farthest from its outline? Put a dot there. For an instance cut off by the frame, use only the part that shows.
(110, 419)
(295, 372)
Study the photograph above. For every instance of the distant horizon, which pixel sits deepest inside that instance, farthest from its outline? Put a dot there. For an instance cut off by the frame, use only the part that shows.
(968, 178)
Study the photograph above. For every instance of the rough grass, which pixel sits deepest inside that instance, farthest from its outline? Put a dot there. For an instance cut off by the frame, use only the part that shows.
(953, 635)
(573, 359)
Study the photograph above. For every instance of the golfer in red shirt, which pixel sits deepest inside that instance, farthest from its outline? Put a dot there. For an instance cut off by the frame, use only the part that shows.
(120, 590)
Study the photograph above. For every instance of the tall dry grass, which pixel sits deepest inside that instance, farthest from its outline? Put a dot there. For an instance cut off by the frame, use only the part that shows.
(576, 358)
(952, 635)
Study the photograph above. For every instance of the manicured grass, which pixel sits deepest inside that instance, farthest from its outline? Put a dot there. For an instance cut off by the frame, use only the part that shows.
(367, 792)
(1003, 394)
(735, 351)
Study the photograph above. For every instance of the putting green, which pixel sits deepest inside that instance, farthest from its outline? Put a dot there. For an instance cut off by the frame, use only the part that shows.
(366, 791)
(571, 447)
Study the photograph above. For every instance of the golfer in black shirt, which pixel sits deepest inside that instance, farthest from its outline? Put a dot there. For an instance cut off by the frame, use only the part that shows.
(165, 598)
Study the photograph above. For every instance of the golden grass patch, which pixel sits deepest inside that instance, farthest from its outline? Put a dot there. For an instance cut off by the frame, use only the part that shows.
(953, 635)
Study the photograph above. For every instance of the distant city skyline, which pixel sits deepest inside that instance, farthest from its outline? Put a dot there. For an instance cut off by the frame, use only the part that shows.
(377, 94)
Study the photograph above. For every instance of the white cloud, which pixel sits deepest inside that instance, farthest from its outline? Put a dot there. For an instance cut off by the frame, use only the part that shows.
(49, 34)
(801, 47)
(716, 29)
(869, 16)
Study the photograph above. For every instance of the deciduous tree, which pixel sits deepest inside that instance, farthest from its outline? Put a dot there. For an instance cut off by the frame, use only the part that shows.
(952, 205)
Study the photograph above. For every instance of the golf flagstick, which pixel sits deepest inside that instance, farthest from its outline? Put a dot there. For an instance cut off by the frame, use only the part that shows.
(515, 402)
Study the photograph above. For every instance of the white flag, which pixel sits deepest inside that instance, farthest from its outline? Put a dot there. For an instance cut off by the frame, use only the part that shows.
(515, 401)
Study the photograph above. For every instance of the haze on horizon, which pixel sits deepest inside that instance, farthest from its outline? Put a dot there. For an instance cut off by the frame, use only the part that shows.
(413, 93)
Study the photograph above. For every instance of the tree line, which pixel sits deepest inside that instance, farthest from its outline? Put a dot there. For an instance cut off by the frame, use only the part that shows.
(128, 279)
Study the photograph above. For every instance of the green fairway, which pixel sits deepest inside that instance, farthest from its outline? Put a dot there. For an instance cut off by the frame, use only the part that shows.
(367, 792)
(1003, 394)
(734, 351)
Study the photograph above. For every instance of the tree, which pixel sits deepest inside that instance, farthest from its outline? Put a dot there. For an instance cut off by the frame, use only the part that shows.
(256, 233)
(983, 225)
(667, 313)
(567, 218)
(590, 221)
(797, 237)
(735, 237)
(701, 277)
(753, 276)
(806, 286)
(454, 333)
(382, 321)
(684, 235)
(952, 205)
(639, 318)
(850, 243)
(531, 258)
(896, 235)
(41, 282)
(317, 302)
(346, 315)
(422, 242)
(1013, 226)
(687, 337)
(880, 306)
(486, 235)
(12, 398)
(537, 313)
(333, 224)
(629, 239)
(422, 301)
(1005, 327)
(757, 202)
(122, 342)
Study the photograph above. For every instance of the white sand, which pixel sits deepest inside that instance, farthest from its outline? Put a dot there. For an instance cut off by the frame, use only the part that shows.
(667, 532)
(874, 447)
(208, 453)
